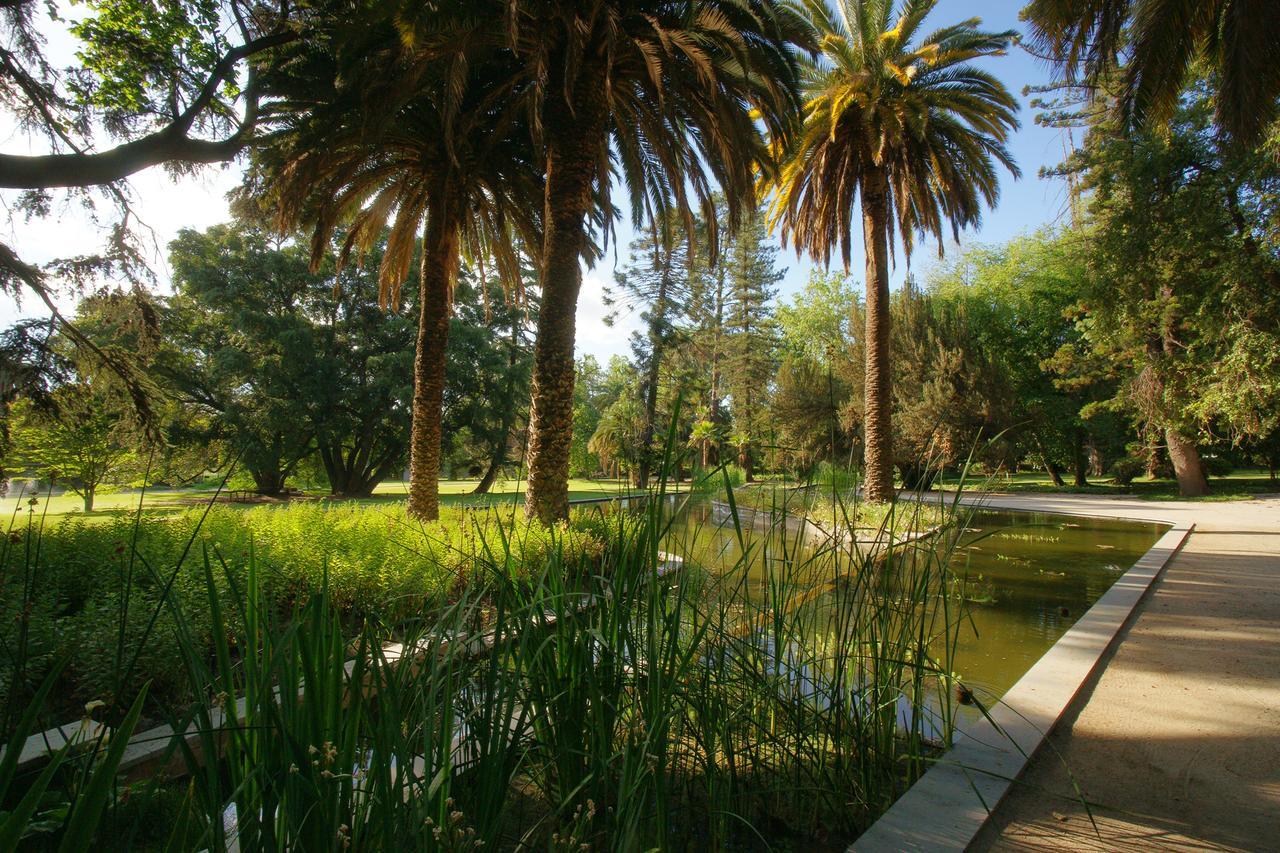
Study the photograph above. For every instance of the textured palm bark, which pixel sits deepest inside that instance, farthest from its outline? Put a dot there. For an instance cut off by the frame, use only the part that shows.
(572, 140)
(439, 266)
(878, 388)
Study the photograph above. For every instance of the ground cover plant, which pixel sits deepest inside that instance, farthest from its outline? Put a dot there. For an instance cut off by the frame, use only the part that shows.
(88, 589)
(831, 499)
(612, 703)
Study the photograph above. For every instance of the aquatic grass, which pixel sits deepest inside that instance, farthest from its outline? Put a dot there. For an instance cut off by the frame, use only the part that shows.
(570, 686)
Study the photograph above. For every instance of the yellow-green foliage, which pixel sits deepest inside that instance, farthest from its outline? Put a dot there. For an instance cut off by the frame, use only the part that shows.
(841, 508)
(378, 564)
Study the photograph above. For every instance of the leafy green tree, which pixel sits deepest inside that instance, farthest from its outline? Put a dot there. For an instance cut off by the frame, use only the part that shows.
(1019, 298)
(912, 130)
(360, 389)
(30, 368)
(85, 444)
(806, 408)
(487, 376)
(285, 362)
(170, 83)
(620, 430)
(811, 396)
(1183, 305)
(751, 337)
(949, 390)
(1151, 47)
(589, 402)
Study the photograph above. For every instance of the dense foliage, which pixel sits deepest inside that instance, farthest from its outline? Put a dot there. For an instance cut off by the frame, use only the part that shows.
(93, 589)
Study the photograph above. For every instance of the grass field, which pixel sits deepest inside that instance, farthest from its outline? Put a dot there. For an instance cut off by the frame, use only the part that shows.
(1238, 485)
(452, 493)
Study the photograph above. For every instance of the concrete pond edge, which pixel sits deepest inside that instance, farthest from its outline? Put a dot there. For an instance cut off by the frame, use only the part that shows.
(953, 800)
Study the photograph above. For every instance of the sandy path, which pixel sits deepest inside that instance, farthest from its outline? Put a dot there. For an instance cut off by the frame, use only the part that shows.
(1177, 742)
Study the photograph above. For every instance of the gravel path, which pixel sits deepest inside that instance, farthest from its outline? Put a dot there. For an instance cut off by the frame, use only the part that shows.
(1176, 744)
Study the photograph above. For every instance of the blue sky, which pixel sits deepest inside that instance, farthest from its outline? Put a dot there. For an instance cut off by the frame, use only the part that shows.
(164, 206)
(1025, 204)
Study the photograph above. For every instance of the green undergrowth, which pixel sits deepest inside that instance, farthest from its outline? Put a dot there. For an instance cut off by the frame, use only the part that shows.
(838, 508)
(89, 590)
(623, 701)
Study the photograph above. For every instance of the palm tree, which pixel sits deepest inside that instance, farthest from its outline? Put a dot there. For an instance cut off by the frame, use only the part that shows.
(678, 94)
(408, 142)
(915, 132)
(1159, 40)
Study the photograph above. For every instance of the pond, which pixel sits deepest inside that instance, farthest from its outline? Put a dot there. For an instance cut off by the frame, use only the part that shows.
(1027, 577)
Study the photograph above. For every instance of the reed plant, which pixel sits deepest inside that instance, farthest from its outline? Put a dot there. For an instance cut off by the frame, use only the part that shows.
(679, 685)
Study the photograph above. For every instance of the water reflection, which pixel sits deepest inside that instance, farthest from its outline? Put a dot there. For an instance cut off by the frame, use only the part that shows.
(1026, 578)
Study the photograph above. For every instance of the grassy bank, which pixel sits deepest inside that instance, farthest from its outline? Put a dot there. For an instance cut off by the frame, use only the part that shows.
(614, 708)
(453, 493)
(1238, 485)
(834, 505)
(102, 591)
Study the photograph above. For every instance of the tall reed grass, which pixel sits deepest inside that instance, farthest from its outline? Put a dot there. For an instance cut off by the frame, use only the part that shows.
(771, 694)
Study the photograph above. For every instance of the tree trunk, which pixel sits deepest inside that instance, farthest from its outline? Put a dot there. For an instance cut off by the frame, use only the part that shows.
(435, 282)
(1186, 464)
(878, 388)
(498, 457)
(710, 453)
(1152, 453)
(268, 483)
(88, 499)
(1097, 465)
(490, 475)
(1079, 458)
(1050, 467)
(573, 138)
(1182, 450)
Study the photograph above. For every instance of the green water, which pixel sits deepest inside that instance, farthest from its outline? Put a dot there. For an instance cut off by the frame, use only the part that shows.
(1028, 578)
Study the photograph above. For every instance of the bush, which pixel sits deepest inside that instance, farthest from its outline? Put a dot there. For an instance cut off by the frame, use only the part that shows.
(1216, 465)
(1123, 471)
(93, 589)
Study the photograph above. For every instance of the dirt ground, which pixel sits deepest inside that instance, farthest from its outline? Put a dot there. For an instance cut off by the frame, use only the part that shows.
(1176, 743)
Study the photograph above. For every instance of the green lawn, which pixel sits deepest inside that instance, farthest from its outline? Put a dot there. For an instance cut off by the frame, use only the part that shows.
(1238, 485)
(452, 493)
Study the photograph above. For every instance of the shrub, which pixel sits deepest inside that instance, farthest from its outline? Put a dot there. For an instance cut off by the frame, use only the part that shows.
(1123, 471)
(95, 590)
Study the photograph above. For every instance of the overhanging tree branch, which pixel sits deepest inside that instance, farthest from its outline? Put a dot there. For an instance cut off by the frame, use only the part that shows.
(172, 144)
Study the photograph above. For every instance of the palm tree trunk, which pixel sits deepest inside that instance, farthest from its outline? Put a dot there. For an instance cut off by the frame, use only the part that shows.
(572, 141)
(878, 405)
(435, 286)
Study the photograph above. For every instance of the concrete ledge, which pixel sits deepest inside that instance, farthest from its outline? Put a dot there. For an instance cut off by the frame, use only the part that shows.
(947, 807)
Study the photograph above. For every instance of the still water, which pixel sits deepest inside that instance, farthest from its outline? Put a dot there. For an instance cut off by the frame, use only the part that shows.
(1029, 578)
